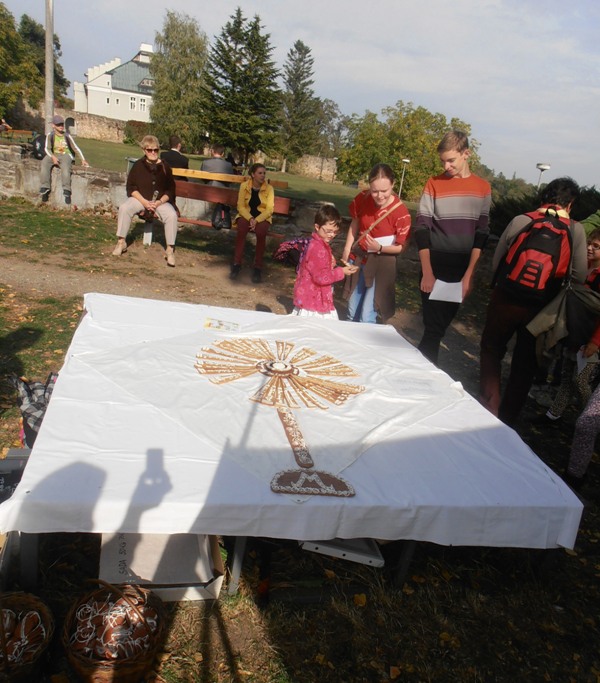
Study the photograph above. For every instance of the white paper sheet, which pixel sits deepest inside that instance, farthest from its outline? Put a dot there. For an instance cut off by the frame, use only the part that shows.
(385, 241)
(447, 291)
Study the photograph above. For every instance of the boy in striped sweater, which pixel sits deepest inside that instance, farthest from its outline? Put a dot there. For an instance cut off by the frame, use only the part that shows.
(452, 227)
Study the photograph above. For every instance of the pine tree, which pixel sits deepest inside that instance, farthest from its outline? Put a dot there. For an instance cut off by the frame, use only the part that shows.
(242, 100)
(301, 109)
(178, 68)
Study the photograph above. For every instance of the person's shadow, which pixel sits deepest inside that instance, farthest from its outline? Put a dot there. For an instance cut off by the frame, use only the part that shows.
(10, 363)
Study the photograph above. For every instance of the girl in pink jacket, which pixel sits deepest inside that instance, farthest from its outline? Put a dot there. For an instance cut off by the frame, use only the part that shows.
(313, 292)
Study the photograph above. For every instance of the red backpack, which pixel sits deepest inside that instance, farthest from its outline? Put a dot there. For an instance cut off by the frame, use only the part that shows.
(538, 260)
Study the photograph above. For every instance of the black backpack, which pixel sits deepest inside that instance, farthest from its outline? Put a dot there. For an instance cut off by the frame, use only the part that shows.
(221, 217)
(39, 147)
(538, 260)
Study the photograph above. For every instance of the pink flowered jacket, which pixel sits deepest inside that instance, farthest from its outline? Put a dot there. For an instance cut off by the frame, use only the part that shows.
(316, 274)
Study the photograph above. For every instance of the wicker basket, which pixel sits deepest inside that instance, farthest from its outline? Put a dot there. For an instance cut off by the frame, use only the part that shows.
(29, 669)
(92, 668)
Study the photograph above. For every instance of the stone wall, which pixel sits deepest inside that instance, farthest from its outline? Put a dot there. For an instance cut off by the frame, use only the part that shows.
(315, 167)
(93, 189)
(95, 127)
(80, 124)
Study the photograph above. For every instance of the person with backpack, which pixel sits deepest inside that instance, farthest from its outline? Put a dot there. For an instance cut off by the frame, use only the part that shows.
(580, 349)
(536, 253)
(60, 149)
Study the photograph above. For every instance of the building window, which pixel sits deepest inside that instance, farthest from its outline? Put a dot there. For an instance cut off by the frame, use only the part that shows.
(142, 104)
(117, 101)
(132, 103)
(108, 100)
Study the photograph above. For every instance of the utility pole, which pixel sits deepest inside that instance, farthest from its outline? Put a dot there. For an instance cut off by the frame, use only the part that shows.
(49, 71)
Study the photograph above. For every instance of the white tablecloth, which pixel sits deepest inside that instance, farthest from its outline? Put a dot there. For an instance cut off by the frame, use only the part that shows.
(135, 439)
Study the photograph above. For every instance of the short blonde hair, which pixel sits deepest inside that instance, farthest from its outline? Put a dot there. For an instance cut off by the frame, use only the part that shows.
(149, 140)
(453, 141)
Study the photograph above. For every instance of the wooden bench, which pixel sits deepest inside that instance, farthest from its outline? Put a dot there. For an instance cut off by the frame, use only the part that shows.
(215, 195)
(222, 177)
(18, 135)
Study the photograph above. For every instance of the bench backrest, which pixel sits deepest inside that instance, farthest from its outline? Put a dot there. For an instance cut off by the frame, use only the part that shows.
(222, 195)
(223, 177)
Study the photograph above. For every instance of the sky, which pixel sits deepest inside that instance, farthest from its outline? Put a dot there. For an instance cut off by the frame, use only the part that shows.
(525, 74)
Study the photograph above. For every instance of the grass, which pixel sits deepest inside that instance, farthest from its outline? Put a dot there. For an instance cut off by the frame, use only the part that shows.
(461, 615)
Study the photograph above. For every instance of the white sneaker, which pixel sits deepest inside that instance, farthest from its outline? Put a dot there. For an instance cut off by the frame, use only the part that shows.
(121, 248)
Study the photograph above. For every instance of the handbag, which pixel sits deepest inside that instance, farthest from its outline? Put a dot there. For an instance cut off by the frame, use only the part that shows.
(375, 223)
(221, 217)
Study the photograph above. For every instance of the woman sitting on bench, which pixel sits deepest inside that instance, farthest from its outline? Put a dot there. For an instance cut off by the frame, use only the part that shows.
(150, 192)
(256, 202)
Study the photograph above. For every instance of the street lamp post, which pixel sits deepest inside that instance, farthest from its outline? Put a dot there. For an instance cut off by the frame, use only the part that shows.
(49, 65)
(541, 168)
(404, 164)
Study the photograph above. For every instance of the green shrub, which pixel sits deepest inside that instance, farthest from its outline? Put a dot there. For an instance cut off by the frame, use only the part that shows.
(135, 131)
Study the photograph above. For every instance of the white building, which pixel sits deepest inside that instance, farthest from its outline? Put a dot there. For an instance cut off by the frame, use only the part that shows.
(118, 91)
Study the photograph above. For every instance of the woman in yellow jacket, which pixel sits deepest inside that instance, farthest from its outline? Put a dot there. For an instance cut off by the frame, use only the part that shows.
(255, 205)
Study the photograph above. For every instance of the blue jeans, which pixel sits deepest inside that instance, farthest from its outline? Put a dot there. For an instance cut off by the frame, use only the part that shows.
(361, 305)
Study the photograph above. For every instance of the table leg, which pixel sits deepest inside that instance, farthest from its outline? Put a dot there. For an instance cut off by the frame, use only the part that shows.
(400, 564)
(239, 550)
(28, 560)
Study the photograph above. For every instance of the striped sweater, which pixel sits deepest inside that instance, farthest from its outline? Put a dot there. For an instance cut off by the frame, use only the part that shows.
(453, 215)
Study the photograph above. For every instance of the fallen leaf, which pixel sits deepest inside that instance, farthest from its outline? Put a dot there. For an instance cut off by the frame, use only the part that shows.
(360, 599)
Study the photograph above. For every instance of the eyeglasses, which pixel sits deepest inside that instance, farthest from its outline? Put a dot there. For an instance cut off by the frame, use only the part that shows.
(154, 150)
(594, 245)
(331, 233)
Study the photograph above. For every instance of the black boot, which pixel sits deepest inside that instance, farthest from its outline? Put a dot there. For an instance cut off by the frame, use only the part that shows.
(257, 276)
(235, 271)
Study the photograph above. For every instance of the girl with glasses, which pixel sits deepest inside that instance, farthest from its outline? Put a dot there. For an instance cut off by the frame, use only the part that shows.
(317, 270)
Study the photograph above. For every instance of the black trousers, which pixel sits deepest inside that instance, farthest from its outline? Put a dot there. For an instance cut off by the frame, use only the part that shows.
(437, 315)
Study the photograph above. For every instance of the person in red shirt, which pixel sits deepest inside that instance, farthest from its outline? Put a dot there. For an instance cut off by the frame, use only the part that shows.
(379, 230)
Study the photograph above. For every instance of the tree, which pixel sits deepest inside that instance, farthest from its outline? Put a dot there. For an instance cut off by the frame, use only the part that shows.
(33, 35)
(333, 128)
(18, 75)
(178, 68)
(406, 132)
(242, 100)
(301, 109)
